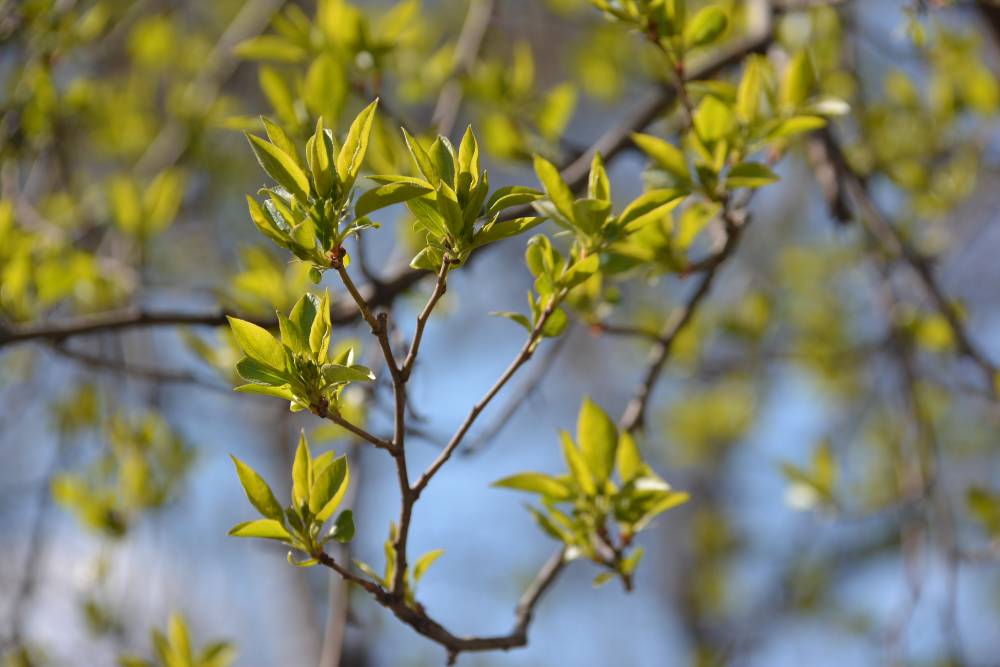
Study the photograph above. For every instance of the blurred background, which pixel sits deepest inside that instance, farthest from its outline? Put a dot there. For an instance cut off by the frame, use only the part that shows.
(819, 380)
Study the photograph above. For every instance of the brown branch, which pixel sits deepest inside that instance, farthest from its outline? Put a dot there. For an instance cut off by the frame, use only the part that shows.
(470, 40)
(418, 619)
(524, 391)
(522, 357)
(361, 433)
(878, 227)
(103, 364)
(635, 412)
(439, 289)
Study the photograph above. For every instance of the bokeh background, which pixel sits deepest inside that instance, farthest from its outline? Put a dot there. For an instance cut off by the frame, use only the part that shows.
(788, 358)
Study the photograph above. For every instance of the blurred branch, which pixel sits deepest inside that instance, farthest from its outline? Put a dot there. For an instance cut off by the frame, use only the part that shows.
(610, 144)
(635, 412)
(828, 157)
(470, 40)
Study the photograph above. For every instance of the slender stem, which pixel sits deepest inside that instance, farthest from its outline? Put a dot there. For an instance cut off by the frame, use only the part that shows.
(417, 618)
(381, 443)
(522, 357)
(439, 289)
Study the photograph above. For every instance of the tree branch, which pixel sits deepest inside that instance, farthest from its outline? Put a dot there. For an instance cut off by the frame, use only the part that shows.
(522, 357)
(635, 412)
(827, 152)
(418, 619)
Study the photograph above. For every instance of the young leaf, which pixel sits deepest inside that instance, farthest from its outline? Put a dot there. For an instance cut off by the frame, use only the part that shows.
(555, 188)
(264, 528)
(301, 472)
(343, 528)
(598, 438)
(666, 156)
(258, 492)
(534, 482)
(468, 154)
(797, 82)
(577, 466)
(387, 195)
(629, 460)
(258, 344)
(352, 153)
(320, 155)
(705, 27)
(750, 175)
(329, 488)
(281, 166)
(421, 158)
(423, 563)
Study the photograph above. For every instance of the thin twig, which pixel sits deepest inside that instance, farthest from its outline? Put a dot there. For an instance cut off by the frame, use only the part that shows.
(522, 357)
(439, 289)
(470, 40)
(635, 412)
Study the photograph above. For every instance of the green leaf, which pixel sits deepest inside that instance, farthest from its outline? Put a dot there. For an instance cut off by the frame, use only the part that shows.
(270, 47)
(180, 640)
(343, 528)
(282, 391)
(602, 579)
(319, 332)
(265, 528)
(443, 155)
(797, 82)
(423, 563)
(514, 317)
(319, 152)
(258, 373)
(336, 373)
(750, 175)
(468, 154)
(304, 312)
(713, 119)
(555, 187)
(598, 186)
(796, 125)
(325, 88)
(387, 195)
(598, 438)
(264, 223)
(510, 196)
(421, 158)
(291, 337)
(258, 492)
(629, 460)
(301, 472)
(329, 487)
(705, 27)
(748, 96)
(258, 344)
(352, 153)
(281, 166)
(578, 468)
(279, 138)
(535, 482)
(502, 229)
(652, 205)
(666, 156)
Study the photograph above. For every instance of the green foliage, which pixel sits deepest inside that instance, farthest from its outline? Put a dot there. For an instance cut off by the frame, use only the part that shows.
(298, 367)
(318, 488)
(580, 506)
(453, 210)
(307, 211)
(142, 469)
(174, 649)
